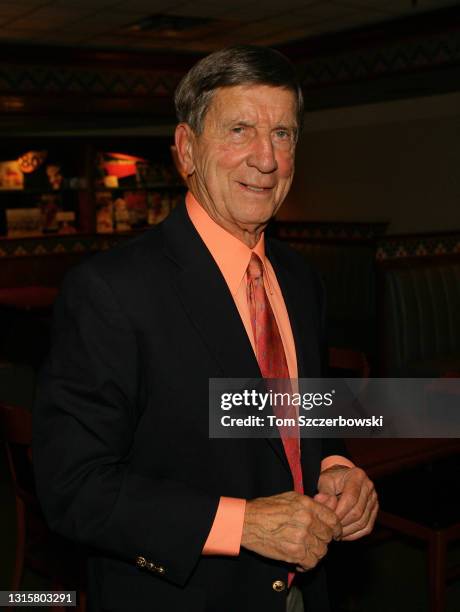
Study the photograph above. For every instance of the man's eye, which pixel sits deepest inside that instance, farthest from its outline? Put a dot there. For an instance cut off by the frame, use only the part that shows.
(284, 134)
(239, 129)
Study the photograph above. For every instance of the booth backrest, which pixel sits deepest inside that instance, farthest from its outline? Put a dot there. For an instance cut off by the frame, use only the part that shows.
(348, 272)
(420, 316)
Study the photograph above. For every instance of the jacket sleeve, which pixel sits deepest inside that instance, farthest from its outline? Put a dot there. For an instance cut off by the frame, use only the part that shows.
(85, 419)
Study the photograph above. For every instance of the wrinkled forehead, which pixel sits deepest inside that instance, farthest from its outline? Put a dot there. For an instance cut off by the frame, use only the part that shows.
(252, 103)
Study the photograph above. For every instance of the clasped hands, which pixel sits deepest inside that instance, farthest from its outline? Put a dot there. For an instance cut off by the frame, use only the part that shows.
(297, 529)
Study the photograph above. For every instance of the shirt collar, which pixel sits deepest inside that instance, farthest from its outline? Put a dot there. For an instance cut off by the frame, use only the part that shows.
(230, 254)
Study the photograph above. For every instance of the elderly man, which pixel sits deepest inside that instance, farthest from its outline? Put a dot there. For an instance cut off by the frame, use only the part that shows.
(175, 520)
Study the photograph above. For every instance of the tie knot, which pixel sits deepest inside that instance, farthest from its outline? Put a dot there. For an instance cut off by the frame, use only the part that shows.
(255, 268)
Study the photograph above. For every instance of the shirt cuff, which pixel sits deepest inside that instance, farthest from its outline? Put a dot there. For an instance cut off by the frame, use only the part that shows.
(227, 529)
(328, 462)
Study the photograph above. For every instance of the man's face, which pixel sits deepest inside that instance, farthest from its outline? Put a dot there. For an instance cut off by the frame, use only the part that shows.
(242, 164)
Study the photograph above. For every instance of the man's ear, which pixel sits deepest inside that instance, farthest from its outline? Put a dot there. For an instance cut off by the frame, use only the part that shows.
(183, 138)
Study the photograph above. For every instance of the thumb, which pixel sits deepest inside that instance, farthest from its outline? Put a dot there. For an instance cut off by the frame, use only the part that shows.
(330, 501)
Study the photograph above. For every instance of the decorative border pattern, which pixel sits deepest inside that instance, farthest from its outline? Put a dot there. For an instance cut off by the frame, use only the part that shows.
(387, 247)
(102, 82)
(335, 230)
(55, 245)
(404, 56)
(417, 246)
(318, 70)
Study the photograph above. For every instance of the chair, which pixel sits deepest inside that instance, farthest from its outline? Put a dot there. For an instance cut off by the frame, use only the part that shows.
(421, 503)
(415, 479)
(36, 546)
(416, 500)
(25, 324)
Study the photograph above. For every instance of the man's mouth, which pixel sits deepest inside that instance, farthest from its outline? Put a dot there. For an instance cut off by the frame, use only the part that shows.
(255, 188)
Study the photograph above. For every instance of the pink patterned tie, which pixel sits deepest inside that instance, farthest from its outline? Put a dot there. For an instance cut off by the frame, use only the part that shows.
(271, 358)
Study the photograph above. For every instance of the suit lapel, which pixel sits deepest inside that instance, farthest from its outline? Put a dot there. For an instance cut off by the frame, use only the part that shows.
(206, 298)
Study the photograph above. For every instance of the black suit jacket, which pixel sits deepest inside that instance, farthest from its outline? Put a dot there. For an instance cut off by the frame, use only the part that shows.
(124, 463)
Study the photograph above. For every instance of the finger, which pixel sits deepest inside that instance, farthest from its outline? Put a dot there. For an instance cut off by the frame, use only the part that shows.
(323, 514)
(327, 516)
(366, 530)
(364, 521)
(356, 512)
(353, 500)
(319, 549)
(361, 521)
(319, 510)
(330, 501)
(327, 483)
(315, 550)
(349, 496)
(337, 532)
(321, 531)
(309, 561)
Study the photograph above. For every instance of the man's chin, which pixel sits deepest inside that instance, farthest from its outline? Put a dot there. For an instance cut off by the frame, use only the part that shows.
(258, 215)
(255, 226)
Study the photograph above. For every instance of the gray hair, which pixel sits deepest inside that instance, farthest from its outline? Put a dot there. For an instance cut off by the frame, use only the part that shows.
(238, 65)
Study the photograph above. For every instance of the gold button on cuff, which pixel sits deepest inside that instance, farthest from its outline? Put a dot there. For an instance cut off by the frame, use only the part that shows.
(142, 563)
(279, 586)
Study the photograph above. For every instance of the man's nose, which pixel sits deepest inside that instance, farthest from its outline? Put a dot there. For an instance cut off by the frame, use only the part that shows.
(262, 155)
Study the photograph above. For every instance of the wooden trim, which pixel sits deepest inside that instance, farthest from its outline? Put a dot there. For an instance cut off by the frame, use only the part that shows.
(53, 55)
(421, 235)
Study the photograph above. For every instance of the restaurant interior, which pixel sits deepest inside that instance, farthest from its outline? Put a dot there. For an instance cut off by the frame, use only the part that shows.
(87, 162)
